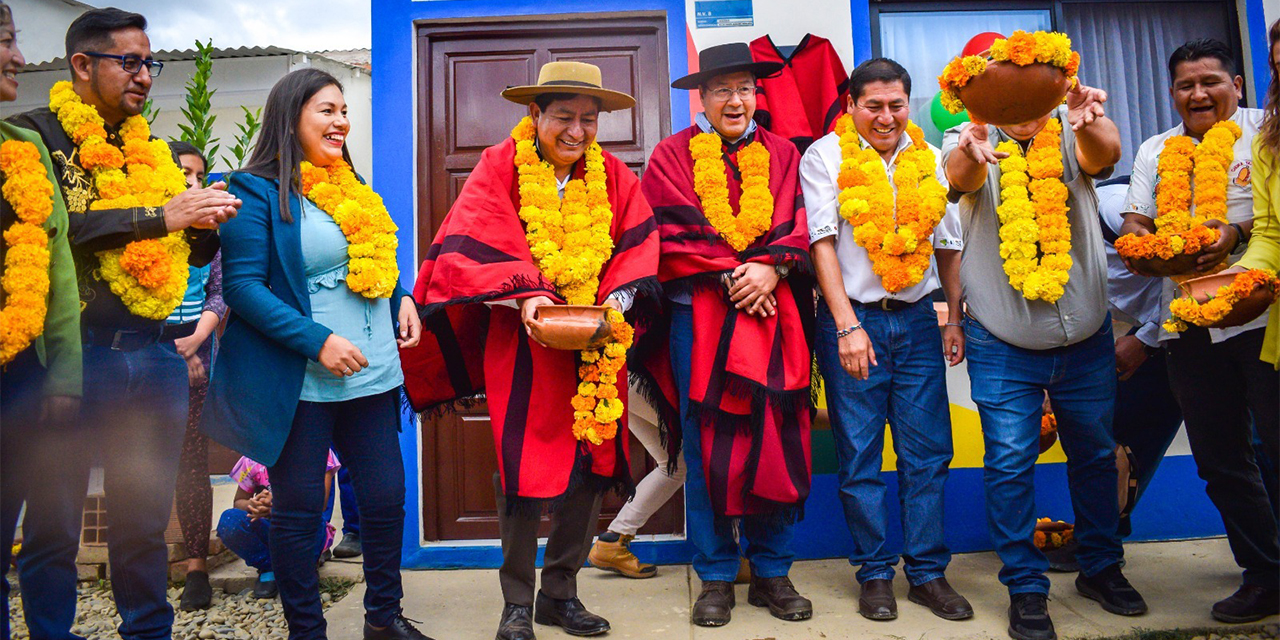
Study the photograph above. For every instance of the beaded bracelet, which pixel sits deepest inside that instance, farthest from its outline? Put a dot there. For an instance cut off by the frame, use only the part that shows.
(840, 333)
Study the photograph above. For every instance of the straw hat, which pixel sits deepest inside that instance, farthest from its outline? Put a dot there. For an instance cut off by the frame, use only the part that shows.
(570, 77)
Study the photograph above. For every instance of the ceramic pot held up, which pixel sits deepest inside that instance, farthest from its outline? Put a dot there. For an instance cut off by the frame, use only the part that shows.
(1008, 94)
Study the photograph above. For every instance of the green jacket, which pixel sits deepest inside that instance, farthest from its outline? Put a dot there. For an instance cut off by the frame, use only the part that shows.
(1264, 245)
(59, 346)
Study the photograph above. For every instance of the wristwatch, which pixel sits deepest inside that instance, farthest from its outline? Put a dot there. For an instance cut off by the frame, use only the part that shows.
(1239, 236)
(782, 270)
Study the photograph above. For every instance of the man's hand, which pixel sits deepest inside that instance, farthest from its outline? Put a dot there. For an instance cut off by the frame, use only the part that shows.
(410, 324)
(200, 208)
(975, 144)
(60, 412)
(953, 344)
(857, 355)
(341, 357)
(1130, 354)
(1084, 105)
(752, 288)
(1211, 255)
(260, 505)
(528, 306)
(195, 370)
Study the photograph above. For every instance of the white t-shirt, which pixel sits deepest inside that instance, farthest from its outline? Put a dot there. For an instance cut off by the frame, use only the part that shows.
(1142, 199)
(819, 171)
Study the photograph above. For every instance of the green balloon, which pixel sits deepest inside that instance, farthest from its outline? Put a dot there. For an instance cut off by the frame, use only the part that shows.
(943, 119)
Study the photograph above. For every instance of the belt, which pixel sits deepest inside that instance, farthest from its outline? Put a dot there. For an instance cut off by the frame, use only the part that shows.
(174, 331)
(119, 339)
(884, 304)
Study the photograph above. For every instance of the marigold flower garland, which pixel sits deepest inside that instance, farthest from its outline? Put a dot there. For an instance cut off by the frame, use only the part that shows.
(755, 206)
(26, 261)
(1022, 49)
(1178, 230)
(1035, 234)
(371, 235)
(895, 235)
(149, 276)
(570, 243)
(1186, 311)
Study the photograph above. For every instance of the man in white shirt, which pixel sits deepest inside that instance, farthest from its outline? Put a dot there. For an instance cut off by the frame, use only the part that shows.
(881, 357)
(1215, 373)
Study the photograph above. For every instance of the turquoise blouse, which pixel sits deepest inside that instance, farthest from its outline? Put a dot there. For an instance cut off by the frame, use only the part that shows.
(361, 320)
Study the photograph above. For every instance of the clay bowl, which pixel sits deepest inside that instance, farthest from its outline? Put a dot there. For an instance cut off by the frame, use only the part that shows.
(1205, 287)
(1008, 94)
(1161, 268)
(571, 327)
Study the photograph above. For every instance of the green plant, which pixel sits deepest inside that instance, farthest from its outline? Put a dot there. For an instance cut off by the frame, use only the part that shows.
(198, 129)
(244, 140)
(150, 111)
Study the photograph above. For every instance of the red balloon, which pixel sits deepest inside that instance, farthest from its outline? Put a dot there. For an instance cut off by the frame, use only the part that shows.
(980, 43)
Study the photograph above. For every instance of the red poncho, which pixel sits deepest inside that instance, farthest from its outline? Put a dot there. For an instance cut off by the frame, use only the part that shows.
(804, 101)
(479, 255)
(750, 376)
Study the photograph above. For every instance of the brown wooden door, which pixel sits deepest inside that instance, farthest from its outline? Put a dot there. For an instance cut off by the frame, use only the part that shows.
(463, 66)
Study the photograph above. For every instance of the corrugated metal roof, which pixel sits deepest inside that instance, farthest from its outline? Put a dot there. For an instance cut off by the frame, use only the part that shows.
(172, 55)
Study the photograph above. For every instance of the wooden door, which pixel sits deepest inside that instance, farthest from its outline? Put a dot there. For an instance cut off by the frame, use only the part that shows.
(463, 66)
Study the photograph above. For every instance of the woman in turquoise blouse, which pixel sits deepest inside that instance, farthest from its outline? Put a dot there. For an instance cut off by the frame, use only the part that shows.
(307, 362)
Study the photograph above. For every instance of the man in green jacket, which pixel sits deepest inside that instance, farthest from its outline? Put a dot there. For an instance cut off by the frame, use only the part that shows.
(41, 384)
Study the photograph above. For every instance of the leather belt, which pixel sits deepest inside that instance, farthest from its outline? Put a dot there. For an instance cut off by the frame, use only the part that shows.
(119, 339)
(174, 331)
(884, 304)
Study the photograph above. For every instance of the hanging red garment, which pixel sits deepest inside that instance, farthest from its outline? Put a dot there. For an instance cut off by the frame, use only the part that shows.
(804, 100)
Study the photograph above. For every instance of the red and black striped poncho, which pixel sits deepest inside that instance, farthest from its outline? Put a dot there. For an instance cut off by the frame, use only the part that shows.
(750, 380)
(480, 255)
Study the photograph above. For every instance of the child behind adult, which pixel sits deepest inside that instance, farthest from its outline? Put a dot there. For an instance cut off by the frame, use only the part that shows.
(245, 527)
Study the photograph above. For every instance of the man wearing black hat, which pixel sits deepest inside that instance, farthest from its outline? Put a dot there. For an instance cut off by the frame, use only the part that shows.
(735, 388)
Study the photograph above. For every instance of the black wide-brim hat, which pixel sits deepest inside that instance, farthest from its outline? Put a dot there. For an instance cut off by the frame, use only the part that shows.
(726, 58)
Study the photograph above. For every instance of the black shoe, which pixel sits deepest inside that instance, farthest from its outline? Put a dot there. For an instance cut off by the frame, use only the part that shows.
(1029, 617)
(1247, 604)
(569, 615)
(1063, 559)
(325, 556)
(714, 606)
(399, 629)
(266, 589)
(196, 594)
(1110, 588)
(517, 623)
(350, 546)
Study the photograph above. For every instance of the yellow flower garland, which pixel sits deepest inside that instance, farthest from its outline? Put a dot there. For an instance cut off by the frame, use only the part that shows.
(371, 235)
(1186, 311)
(1022, 49)
(896, 236)
(570, 243)
(1178, 230)
(149, 276)
(1035, 234)
(755, 207)
(26, 261)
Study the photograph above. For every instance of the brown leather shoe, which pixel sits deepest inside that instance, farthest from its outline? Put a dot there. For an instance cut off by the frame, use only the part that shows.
(941, 599)
(617, 557)
(877, 601)
(714, 605)
(781, 597)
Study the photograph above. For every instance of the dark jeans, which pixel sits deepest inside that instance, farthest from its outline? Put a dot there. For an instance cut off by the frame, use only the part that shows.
(248, 538)
(21, 382)
(132, 420)
(1147, 419)
(1008, 385)
(365, 433)
(1218, 386)
(909, 389)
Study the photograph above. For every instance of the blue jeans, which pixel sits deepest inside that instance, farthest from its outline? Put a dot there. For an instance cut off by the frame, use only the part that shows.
(1008, 385)
(716, 556)
(365, 433)
(908, 388)
(132, 421)
(248, 538)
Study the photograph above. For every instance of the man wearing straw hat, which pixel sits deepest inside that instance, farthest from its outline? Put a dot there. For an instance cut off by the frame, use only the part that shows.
(728, 367)
(539, 193)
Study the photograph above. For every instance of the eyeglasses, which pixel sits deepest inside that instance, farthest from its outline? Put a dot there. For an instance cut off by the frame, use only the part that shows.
(131, 64)
(724, 94)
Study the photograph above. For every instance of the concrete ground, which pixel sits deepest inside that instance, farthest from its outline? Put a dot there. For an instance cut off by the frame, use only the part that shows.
(1180, 581)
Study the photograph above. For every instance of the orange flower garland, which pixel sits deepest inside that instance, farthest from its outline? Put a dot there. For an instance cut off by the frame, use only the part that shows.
(26, 261)
(755, 207)
(1178, 230)
(358, 210)
(895, 235)
(1022, 49)
(149, 276)
(1186, 311)
(1035, 233)
(570, 242)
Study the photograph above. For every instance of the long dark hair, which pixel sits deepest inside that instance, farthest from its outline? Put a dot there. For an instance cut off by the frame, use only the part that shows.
(278, 153)
(1271, 120)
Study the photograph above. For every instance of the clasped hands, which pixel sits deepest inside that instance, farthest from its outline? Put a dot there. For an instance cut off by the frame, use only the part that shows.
(751, 288)
(203, 208)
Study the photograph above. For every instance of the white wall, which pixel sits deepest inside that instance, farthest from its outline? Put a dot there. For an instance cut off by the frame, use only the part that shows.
(787, 21)
(41, 26)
